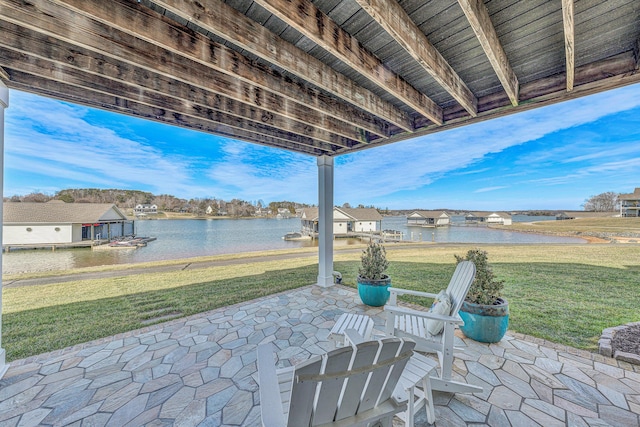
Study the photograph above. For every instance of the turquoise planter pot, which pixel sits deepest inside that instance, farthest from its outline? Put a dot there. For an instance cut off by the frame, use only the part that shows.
(374, 292)
(485, 323)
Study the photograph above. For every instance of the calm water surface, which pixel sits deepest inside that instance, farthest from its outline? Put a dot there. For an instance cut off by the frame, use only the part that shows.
(192, 238)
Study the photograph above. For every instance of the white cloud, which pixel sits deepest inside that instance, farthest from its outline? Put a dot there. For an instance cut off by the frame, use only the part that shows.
(52, 138)
(486, 189)
(412, 164)
(257, 172)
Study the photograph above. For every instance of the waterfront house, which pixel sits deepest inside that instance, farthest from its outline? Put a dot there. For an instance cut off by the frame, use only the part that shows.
(428, 218)
(283, 213)
(630, 204)
(501, 218)
(145, 209)
(57, 222)
(345, 220)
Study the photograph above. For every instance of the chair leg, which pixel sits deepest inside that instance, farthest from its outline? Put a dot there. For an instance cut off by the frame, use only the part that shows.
(428, 395)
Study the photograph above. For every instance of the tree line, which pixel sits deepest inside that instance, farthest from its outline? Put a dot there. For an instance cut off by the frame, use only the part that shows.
(129, 199)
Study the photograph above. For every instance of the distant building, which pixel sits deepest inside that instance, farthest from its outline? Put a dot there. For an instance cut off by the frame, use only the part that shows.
(428, 218)
(283, 213)
(345, 220)
(145, 209)
(57, 222)
(630, 204)
(585, 214)
(501, 218)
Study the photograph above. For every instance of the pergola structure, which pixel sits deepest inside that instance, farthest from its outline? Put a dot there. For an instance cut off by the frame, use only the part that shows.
(321, 77)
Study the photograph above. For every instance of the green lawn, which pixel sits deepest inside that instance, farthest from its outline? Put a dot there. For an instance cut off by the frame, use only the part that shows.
(557, 292)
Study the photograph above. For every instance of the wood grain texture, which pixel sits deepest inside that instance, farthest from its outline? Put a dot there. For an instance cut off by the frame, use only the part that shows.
(480, 22)
(227, 23)
(303, 16)
(390, 15)
(569, 41)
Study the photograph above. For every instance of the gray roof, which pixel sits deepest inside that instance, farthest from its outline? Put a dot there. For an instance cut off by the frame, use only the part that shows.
(359, 214)
(60, 212)
(631, 196)
(430, 214)
(363, 214)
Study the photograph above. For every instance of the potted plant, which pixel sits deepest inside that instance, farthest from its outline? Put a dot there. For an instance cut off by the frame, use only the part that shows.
(373, 283)
(484, 312)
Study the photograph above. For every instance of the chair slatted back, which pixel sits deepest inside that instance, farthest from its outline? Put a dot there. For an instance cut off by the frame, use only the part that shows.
(460, 283)
(346, 381)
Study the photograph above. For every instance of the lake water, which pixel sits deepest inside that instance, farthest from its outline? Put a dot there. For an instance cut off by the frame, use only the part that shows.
(192, 238)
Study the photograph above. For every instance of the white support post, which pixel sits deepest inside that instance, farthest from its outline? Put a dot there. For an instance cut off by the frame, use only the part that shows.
(4, 103)
(325, 221)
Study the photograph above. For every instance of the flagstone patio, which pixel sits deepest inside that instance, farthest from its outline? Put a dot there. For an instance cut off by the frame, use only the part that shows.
(201, 371)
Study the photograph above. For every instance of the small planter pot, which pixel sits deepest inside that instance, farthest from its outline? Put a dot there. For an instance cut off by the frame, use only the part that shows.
(374, 292)
(485, 323)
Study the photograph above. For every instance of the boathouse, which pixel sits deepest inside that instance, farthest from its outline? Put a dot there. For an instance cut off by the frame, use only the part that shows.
(500, 218)
(60, 223)
(345, 220)
(428, 219)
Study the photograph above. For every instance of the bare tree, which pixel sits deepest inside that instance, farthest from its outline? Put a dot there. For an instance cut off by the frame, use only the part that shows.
(603, 202)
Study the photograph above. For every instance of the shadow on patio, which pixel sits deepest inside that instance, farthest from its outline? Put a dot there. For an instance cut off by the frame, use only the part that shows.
(202, 371)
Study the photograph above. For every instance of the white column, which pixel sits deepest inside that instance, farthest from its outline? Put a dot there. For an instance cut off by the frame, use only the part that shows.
(325, 221)
(4, 103)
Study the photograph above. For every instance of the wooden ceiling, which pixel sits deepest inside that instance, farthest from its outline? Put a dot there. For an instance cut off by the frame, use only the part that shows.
(323, 77)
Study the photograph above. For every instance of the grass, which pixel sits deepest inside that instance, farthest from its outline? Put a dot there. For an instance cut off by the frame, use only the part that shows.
(579, 226)
(562, 293)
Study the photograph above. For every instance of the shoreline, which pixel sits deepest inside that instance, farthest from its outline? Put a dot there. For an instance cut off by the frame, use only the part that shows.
(55, 276)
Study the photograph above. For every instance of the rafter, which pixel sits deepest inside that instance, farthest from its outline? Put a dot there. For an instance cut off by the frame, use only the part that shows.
(192, 58)
(306, 18)
(569, 41)
(156, 89)
(478, 16)
(395, 21)
(79, 95)
(215, 16)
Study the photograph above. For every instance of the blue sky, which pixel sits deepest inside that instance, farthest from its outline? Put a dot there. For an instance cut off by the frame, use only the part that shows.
(548, 158)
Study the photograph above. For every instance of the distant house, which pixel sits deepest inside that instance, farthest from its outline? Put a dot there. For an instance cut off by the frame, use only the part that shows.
(57, 222)
(630, 204)
(283, 213)
(501, 218)
(145, 209)
(428, 218)
(585, 214)
(345, 220)
(209, 210)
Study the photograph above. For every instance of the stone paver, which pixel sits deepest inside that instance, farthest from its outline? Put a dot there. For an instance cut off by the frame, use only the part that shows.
(201, 371)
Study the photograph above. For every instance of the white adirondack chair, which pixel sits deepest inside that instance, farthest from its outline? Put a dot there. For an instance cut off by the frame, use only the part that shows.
(355, 385)
(409, 323)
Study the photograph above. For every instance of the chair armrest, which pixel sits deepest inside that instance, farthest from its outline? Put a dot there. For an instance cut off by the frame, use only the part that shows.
(426, 314)
(353, 336)
(270, 403)
(399, 291)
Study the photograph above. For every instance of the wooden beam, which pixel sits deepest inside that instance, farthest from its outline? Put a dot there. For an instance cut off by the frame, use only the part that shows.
(84, 96)
(596, 77)
(569, 41)
(392, 17)
(109, 74)
(193, 59)
(3, 74)
(215, 16)
(478, 16)
(305, 17)
(636, 52)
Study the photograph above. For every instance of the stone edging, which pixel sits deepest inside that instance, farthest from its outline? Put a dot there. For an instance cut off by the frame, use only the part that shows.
(605, 348)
